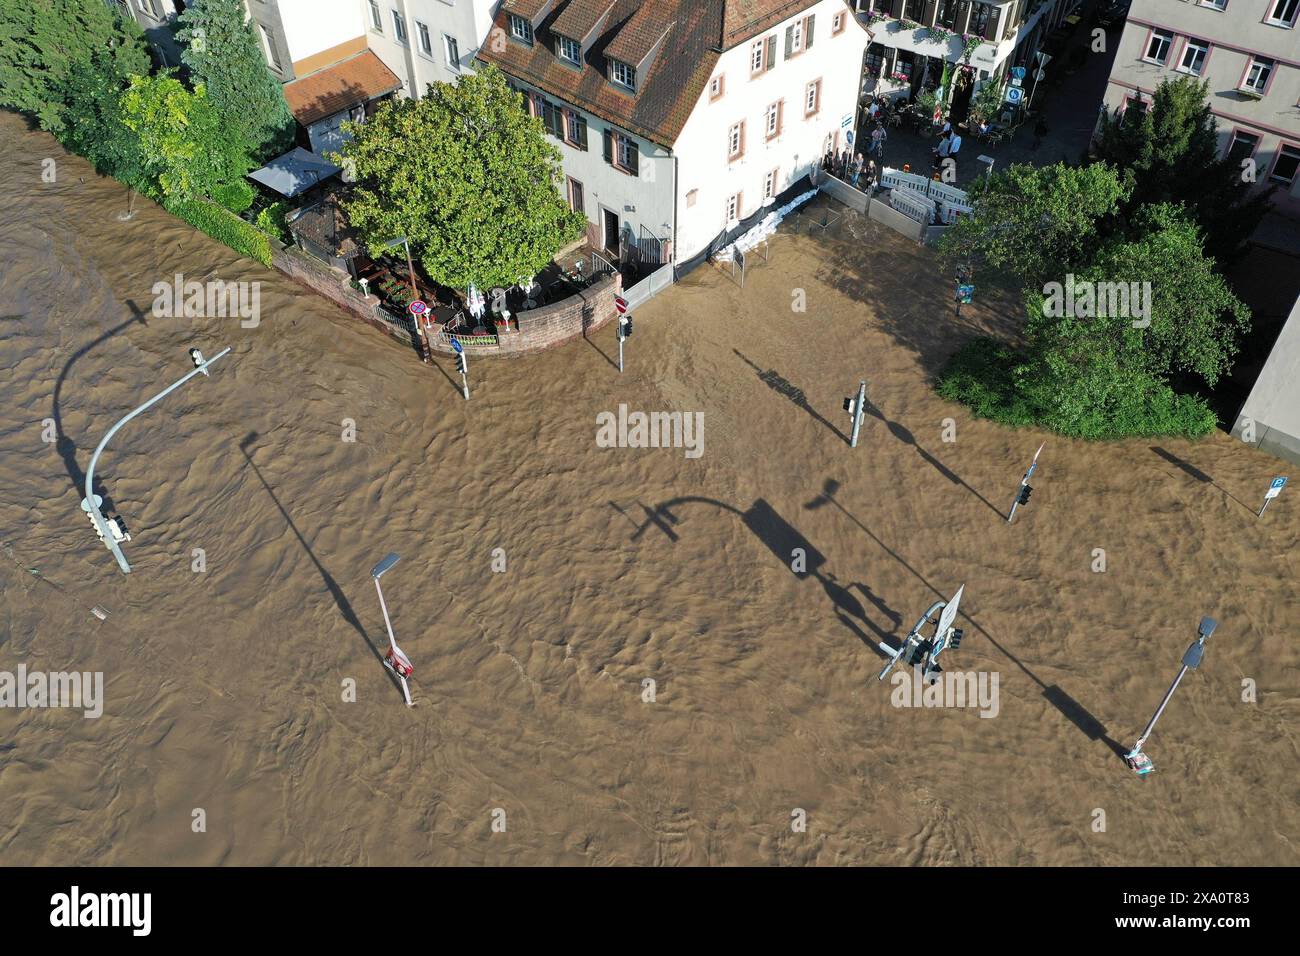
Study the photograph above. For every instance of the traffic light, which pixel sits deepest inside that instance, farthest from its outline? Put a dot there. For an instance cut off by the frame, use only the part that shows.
(954, 641)
(851, 406)
(1023, 498)
(625, 321)
(197, 358)
(461, 365)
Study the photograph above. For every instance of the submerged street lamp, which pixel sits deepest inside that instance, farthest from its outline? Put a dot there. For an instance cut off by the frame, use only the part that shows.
(112, 531)
(1136, 759)
(394, 660)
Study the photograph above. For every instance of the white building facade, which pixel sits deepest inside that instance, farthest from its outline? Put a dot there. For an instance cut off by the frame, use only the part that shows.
(679, 120)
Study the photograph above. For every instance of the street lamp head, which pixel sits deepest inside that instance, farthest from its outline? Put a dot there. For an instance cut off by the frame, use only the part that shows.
(1208, 624)
(384, 565)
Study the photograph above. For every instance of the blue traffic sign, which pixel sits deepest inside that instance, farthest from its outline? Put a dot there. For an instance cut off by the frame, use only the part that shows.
(456, 346)
(1018, 72)
(1015, 94)
(1279, 482)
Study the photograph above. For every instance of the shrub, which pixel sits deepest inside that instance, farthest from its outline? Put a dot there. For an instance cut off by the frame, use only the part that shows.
(225, 226)
(271, 220)
(236, 196)
(1081, 397)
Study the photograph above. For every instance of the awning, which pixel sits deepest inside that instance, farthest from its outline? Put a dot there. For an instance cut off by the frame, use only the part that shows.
(295, 172)
(351, 82)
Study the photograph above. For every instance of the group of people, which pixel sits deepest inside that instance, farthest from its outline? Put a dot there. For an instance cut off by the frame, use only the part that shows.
(858, 171)
(949, 144)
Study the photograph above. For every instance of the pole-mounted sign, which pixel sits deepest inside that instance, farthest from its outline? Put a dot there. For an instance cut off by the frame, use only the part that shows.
(1274, 490)
(1135, 758)
(624, 331)
(462, 365)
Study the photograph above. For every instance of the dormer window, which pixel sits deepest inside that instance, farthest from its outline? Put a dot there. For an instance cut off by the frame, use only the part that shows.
(569, 50)
(521, 29)
(622, 74)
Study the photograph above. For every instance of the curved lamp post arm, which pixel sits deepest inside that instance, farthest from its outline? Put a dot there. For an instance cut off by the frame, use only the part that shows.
(95, 514)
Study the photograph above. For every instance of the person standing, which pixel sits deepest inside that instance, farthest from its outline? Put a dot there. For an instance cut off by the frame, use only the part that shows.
(954, 143)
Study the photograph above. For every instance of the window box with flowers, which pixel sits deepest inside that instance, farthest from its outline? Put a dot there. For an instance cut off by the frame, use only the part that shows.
(970, 43)
(907, 24)
(900, 77)
(876, 16)
(939, 34)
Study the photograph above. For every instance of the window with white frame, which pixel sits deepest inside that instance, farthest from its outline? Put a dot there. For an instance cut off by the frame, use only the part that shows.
(521, 29)
(796, 37)
(268, 44)
(399, 27)
(772, 120)
(1287, 164)
(1215, 4)
(452, 48)
(716, 86)
(769, 185)
(1158, 46)
(623, 74)
(837, 24)
(733, 208)
(422, 31)
(735, 140)
(1257, 75)
(812, 98)
(1193, 59)
(376, 18)
(1282, 13)
(569, 50)
(756, 56)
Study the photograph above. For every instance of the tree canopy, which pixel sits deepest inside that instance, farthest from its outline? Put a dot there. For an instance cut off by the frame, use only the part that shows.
(180, 137)
(224, 55)
(46, 44)
(467, 176)
(1170, 153)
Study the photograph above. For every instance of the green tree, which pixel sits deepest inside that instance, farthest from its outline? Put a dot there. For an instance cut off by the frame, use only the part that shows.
(181, 139)
(224, 55)
(1033, 223)
(46, 44)
(1170, 154)
(468, 177)
(93, 124)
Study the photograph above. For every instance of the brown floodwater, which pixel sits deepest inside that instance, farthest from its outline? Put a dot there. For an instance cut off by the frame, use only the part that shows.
(241, 658)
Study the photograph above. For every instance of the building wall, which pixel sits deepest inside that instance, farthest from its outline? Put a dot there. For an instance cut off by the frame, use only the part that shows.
(1235, 34)
(1021, 24)
(704, 167)
(468, 22)
(158, 19)
(643, 203)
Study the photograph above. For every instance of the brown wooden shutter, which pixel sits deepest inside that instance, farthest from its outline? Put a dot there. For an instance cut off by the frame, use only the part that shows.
(962, 22)
(991, 29)
(896, 9)
(582, 132)
(633, 157)
(927, 16)
(609, 147)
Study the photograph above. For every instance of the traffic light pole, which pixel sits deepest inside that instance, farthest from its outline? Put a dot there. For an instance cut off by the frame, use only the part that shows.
(1022, 493)
(857, 413)
(620, 345)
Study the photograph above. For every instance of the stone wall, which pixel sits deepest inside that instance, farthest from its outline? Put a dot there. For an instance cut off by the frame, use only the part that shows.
(538, 329)
(555, 324)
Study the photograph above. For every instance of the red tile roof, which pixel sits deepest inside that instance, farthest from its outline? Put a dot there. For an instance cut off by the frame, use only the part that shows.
(699, 31)
(358, 79)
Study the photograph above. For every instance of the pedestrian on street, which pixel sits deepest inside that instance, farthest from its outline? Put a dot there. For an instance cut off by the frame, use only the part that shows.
(954, 143)
(1040, 130)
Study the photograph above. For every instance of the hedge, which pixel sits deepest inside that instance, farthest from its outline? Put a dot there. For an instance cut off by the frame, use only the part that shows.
(224, 226)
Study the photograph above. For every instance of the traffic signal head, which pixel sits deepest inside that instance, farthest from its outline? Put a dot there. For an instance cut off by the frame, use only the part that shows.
(851, 406)
(625, 322)
(197, 358)
(954, 639)
(1024, 494)
(461, 365)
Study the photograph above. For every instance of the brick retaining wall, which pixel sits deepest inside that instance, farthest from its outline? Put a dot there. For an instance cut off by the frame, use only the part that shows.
(548, 327)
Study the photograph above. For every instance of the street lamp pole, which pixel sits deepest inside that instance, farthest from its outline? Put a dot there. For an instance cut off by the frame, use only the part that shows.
(395, 660)
(90, 504)
(1135, 758)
